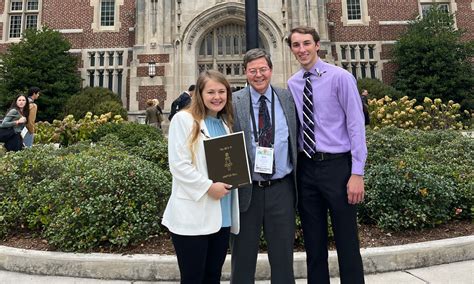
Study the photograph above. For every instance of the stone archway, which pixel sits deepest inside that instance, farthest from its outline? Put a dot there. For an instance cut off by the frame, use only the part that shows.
(222, 48)
(217, 38)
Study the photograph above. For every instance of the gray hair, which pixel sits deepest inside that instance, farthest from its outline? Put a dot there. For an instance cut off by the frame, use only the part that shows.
(257, 53)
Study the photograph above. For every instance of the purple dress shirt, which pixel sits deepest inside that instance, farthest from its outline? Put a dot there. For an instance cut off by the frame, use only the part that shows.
(338, 115)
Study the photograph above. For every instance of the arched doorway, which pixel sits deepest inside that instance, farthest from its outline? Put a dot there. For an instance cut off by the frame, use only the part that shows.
(222, 48)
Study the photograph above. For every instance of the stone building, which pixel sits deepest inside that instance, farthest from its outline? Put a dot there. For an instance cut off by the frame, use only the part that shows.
(120, 41)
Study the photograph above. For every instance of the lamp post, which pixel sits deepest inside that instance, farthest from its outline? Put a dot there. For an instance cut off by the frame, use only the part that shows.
(251, 23)
(152, 68)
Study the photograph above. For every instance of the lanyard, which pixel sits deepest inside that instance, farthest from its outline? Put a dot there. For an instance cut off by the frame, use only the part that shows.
(254, 125)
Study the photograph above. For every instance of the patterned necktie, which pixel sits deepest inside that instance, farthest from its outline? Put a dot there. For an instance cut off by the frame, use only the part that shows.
(265, 130)
(264, 124)
(309, 141)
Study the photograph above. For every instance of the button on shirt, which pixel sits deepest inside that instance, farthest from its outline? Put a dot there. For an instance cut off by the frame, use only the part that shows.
(283, 164)
(339, 120)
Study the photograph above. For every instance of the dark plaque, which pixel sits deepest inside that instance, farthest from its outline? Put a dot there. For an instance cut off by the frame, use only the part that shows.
(226, 158)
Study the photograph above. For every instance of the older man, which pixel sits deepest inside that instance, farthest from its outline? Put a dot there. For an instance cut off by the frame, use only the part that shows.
(267, 116)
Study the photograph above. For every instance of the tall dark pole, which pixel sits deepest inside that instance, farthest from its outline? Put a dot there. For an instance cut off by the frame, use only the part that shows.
(251, 23)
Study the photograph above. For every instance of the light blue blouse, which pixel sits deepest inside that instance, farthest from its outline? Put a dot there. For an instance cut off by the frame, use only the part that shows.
(215, 127)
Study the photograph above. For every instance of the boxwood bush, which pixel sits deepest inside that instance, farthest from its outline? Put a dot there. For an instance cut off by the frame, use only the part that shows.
(417, 179)
(131, 134)
(82, 197)
(138, 139)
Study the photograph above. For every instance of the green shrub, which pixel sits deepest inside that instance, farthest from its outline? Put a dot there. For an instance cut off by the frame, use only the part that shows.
(131, 134)
(152, 150)
(406, 194)
(96, 100)
(19, 173)
(417, 179)
(118, 204)
(79, 198)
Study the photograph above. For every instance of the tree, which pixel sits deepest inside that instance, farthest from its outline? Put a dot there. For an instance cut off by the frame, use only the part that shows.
(40, 59)
(96, 100)
(377, 89)
(434, 61)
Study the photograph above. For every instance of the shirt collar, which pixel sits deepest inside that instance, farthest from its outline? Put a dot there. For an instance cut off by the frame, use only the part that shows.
(316, 69)
(256, 96)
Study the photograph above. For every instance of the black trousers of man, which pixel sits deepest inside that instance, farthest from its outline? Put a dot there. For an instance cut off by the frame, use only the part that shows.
(322, 186)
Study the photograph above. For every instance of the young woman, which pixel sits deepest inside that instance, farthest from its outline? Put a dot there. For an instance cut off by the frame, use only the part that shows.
(200, 213)
(13, 123)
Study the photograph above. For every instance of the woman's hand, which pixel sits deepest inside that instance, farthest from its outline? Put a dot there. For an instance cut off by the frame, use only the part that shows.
(219, 190)
(21, 120)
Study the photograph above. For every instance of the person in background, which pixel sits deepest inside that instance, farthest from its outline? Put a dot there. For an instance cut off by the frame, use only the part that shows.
(364, 95)
(13, 123)
(201, 213)
(331, 160)
(153, 116)
(33, 95)
(270, 202)
(156, 103)
(182, 101)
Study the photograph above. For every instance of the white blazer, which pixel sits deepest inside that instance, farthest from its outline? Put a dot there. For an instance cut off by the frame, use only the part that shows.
(190, 210)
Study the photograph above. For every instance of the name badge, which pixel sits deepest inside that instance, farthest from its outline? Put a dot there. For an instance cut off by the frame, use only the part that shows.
(263, 160)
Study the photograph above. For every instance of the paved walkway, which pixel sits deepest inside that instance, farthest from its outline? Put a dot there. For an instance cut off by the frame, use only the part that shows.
(442, 261)
(453, 273)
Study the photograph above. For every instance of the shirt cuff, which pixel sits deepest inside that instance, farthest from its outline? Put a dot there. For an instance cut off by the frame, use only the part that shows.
(357, 169)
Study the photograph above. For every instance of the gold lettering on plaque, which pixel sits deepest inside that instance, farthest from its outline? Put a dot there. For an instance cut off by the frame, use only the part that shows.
(228, 162)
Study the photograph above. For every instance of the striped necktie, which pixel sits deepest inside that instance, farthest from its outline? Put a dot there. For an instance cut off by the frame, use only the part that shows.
(309, 141)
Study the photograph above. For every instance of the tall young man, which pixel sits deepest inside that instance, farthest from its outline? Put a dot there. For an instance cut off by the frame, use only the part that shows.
(331, 159)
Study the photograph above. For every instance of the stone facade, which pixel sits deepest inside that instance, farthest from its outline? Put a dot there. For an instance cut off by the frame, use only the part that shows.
(184, 37)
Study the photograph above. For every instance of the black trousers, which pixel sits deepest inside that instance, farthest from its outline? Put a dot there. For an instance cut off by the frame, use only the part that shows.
(200, 258)
(322, 186)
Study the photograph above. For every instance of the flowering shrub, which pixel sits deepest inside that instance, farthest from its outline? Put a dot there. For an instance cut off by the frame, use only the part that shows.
(404, 113)
(69, 131)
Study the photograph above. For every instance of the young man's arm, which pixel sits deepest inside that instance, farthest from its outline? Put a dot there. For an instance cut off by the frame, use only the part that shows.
(30, 125)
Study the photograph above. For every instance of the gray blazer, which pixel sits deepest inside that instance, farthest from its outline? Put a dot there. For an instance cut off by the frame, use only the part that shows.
(241, 104)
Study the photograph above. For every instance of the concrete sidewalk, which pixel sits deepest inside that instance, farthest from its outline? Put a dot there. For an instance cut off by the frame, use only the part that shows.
(453, 273)
(77, 266)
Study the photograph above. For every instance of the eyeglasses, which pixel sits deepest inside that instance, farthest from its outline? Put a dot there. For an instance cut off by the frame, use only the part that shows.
(262, 70)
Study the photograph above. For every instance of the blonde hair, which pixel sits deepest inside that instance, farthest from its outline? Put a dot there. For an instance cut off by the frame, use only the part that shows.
(149, 102)
(156, 102)
(199, 111)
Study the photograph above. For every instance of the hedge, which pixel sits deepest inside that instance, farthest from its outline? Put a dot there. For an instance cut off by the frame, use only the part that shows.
(82, 197)
(112, 192)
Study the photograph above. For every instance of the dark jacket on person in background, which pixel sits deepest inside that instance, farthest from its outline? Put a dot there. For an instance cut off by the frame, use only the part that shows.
(180, 103)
